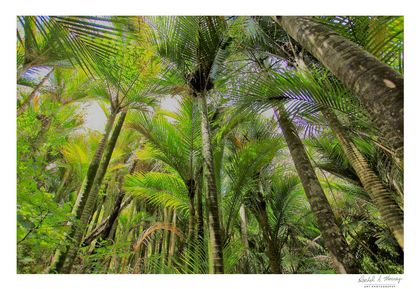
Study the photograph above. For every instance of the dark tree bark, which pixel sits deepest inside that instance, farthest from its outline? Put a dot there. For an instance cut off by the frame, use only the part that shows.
(272, 246)
(331, 233)
(379, 88)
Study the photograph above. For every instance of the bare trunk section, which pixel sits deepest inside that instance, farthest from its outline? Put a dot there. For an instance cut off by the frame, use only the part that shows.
(58, 262)
(244, 237)
(200, 216)
(389, 209)
(209, 173)
(59, 196)
(379, 88)
(333, 237)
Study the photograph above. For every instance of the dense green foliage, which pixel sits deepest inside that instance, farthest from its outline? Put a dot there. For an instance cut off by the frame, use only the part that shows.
(140, 195)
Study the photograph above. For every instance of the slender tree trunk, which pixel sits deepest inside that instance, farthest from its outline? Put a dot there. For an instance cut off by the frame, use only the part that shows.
(26, 102)
(214, 222)
(92, 196)
(59, 196)
(379, 88)
(273, 248)
(333, 237)
(172, 240)
(78, 207)
(24, 69)
(191, 194)
(244, 226)
(389, 209)
(200, 216)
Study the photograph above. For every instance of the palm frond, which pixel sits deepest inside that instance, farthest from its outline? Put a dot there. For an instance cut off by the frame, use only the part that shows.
(161, 189)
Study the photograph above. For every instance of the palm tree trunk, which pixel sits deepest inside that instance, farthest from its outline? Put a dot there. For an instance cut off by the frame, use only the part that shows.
(92, 196)
(24, 69)
(244, 237)
(200, 216)
(191, 194)
(26, 102)
(321, 208)
(93, 167)
(59, 196)
(379, 88)
(244, 226)
(59, 259)
(273, 250)
(214, 223)
(391, 213)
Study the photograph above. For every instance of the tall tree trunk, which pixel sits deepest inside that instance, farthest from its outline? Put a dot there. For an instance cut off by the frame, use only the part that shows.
(209, 173)
(26, 102)
(172, 240)
(191, 194)
(24, 69)
(379, 88)
(333, 237)
(92, 196)
(59, 196)
(244, 226)
(78, 207)
(244, 237)
(200, 216)
(389, 209)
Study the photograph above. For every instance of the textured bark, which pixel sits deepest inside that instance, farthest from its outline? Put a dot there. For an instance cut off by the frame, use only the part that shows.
(26, 102)
(93, 168)
(92, 196)
(333, 237)
(379, 88)
(273, 253)
(244, 226)
(191, 194)
(118, 206)
(244, 237)
(209, 173)
(389, 209)
(59, 259)
(105, 224)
